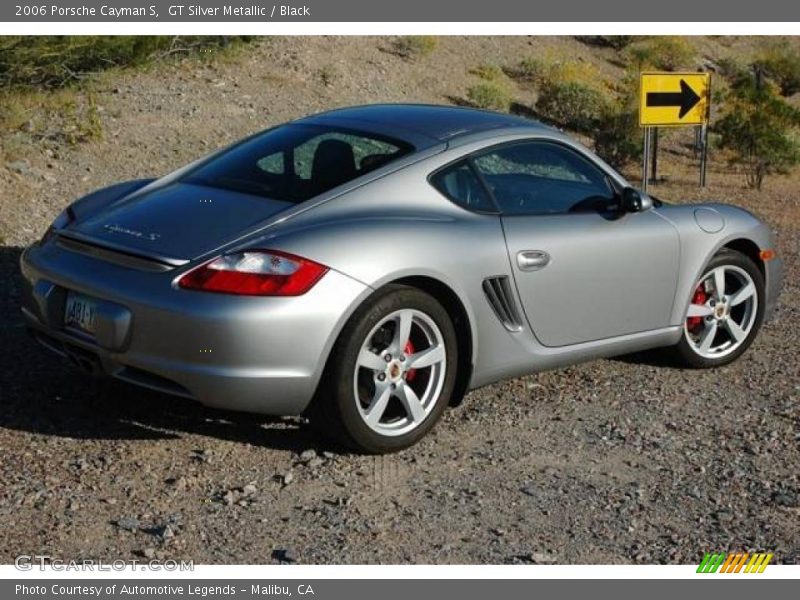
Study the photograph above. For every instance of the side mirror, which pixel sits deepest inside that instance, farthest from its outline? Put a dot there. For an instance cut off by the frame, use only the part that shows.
(633, 201)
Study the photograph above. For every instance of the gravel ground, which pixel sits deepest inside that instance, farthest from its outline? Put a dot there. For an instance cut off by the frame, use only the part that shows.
(629, 460)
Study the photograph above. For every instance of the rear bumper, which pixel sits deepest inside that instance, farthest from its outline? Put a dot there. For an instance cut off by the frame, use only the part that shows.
(262, 355)
(774, 283)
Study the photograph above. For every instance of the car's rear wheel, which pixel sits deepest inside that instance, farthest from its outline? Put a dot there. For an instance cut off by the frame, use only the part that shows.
(725, 312)
(391, 373)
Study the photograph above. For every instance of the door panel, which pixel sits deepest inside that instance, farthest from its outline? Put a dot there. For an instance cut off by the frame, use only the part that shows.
(603, 277)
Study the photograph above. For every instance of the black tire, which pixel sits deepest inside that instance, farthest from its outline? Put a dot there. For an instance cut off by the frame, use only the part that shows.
(335, 410)
(683, 352)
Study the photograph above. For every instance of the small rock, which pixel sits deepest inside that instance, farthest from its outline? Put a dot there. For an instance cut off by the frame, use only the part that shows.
(316, 462)
(288, 478)
(229, 497)
(249, 489)
(19, 166)
(542, 558)
(285, 555)
(166, 532)
(201, 455)
(149, 552)
(128, 523)
(787, 499)
(307, 455)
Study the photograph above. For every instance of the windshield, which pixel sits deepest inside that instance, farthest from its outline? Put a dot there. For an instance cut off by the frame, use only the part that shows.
(296, 162)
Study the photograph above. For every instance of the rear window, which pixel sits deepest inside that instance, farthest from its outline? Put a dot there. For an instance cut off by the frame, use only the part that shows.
(296, 162)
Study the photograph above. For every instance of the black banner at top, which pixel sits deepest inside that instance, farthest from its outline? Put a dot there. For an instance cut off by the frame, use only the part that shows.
(407, 11)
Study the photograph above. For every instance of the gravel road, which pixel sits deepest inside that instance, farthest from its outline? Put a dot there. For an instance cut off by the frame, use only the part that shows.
(629, 460)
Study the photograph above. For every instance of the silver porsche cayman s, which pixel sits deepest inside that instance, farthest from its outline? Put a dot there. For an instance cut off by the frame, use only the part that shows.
(367, 266)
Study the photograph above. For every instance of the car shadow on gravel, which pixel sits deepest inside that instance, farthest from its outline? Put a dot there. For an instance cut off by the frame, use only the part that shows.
(654, 358)
(41, 393)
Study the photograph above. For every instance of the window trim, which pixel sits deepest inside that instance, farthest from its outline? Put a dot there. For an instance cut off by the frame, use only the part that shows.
(611, 179)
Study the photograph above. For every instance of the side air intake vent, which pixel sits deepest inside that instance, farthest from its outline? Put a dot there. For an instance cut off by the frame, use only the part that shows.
(501, 298)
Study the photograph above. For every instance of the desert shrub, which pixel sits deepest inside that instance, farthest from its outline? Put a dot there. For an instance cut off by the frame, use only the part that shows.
(531, 69)
(56, 61)
(759, 129)
(617, 42)
(489, 95)
(617, 136)
(488, 72)
(552, 68)
(731, 68)
(666, 52)
(781, 63)
(327, 75)
(61, 116)
(618, 139)
(571, 105)
(415, 46)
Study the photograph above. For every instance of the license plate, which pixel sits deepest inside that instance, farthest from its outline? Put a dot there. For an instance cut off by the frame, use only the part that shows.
(80, 312)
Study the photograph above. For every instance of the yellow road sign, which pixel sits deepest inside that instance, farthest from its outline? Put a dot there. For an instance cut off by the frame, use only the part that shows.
(674, 99)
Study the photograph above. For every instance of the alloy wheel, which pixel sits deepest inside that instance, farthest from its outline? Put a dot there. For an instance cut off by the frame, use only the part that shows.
(400, 372)
(722, 312)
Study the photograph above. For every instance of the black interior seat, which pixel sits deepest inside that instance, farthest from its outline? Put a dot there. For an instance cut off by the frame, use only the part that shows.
(334, 163)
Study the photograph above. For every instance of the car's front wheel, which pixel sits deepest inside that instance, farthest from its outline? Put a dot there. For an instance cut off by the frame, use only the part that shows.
(725, 311)
(391, 373)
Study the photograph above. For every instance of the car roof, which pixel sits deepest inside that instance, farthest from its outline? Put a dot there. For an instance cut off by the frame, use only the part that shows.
(418, 123)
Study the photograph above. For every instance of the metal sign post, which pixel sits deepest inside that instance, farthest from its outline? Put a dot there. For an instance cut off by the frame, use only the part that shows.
(645, 161)
(703, 154)
(654, 155)
(673, 100)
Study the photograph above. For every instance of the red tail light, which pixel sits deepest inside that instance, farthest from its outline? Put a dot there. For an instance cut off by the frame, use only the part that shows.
(255, 273)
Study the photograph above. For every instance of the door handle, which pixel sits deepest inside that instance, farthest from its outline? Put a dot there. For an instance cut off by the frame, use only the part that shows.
(532, 260)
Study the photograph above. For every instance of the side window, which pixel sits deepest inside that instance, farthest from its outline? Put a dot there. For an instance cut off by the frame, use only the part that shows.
(462, 186)
(543, 178)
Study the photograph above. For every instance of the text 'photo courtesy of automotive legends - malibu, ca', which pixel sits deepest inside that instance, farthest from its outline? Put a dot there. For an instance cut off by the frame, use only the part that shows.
(368, 266)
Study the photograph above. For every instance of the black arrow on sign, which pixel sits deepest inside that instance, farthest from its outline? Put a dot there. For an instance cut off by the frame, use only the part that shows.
(686, 99)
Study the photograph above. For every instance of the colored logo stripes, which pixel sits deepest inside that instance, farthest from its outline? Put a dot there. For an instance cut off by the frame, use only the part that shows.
(734, 562)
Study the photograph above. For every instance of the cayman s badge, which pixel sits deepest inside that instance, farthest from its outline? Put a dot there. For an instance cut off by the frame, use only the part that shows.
(114, 228)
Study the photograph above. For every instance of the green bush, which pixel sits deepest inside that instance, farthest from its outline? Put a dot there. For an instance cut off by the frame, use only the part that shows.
(571, 105)
(759, 129)
(553, 68)
(415, 46)
(731, 68)
(617, 137)
(489, 95)
(56, 61)
(781, 63)
(665, 52)
(488, 72)
(617, 42)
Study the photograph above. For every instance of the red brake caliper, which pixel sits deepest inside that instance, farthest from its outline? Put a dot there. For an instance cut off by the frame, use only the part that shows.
(699, 297)
(409, 350)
